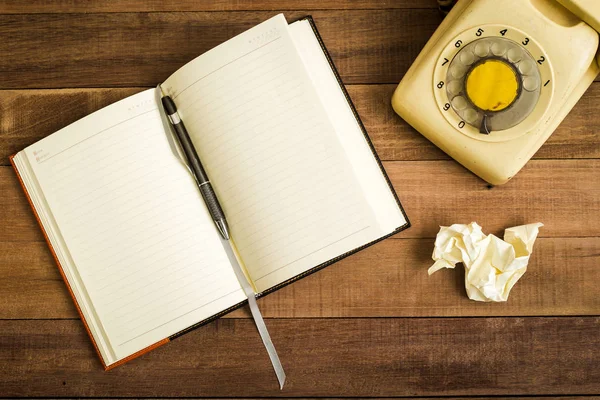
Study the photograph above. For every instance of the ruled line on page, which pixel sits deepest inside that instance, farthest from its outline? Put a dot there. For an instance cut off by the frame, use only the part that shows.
(223, 66)
(97, 133)
(313, 252)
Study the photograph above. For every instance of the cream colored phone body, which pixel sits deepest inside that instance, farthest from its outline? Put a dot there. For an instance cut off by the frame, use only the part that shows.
(497, 78)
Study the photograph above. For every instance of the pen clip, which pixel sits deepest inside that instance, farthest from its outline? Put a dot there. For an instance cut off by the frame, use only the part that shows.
(170, 133)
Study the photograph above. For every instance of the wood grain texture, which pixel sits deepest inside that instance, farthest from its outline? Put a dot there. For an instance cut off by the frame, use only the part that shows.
(115, 6)
(563, 194)
(30, 115)
(373, 325)
(143, 49)
(322, 357)
(387, 280)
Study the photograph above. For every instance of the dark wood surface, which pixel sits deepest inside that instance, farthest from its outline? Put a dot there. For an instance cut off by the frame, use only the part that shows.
(372, 325)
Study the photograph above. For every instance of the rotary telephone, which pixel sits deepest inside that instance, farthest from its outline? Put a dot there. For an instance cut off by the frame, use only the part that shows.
(497, 78)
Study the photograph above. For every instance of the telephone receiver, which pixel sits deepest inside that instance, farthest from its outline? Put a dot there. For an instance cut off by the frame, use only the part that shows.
(498, 77)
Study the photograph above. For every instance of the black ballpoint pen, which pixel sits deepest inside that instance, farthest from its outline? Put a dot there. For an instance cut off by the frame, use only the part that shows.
(216, 212)
(210, 198)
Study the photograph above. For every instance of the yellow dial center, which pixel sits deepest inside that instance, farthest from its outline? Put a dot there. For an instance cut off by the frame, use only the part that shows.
(492, 85)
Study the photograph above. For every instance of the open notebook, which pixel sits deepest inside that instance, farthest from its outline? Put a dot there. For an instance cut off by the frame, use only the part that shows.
(286, 154)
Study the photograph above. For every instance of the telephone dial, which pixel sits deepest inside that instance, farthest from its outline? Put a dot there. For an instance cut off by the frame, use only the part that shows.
(497, 78)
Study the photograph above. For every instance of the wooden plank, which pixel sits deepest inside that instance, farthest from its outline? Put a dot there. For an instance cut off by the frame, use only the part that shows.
(387, 280)
(143, 49)
(563, 194)
(322, 357)
(30, 115)
(114, 6)
(18, 221)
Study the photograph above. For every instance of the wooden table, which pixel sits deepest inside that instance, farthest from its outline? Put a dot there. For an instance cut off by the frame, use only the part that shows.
(373, 325)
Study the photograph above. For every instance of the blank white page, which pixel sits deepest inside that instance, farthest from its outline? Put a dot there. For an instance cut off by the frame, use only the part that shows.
(134, 224)
(275, 161)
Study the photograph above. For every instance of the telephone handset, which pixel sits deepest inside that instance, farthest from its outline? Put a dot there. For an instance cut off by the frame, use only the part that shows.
(497, 78)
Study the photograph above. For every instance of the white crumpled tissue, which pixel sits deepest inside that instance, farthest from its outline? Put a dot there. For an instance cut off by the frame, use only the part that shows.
(492, 265)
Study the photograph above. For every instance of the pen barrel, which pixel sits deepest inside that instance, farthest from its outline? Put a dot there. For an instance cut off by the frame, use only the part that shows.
(210, 198)
(190, 152)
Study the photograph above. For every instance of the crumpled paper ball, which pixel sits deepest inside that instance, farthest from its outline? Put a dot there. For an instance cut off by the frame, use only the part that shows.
(492, 265)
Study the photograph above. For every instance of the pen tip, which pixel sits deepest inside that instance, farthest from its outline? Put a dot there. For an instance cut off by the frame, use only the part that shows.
(223, 228)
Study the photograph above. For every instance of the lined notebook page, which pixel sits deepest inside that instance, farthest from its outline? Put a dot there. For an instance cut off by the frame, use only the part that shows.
(276, 164)
(136, 227)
